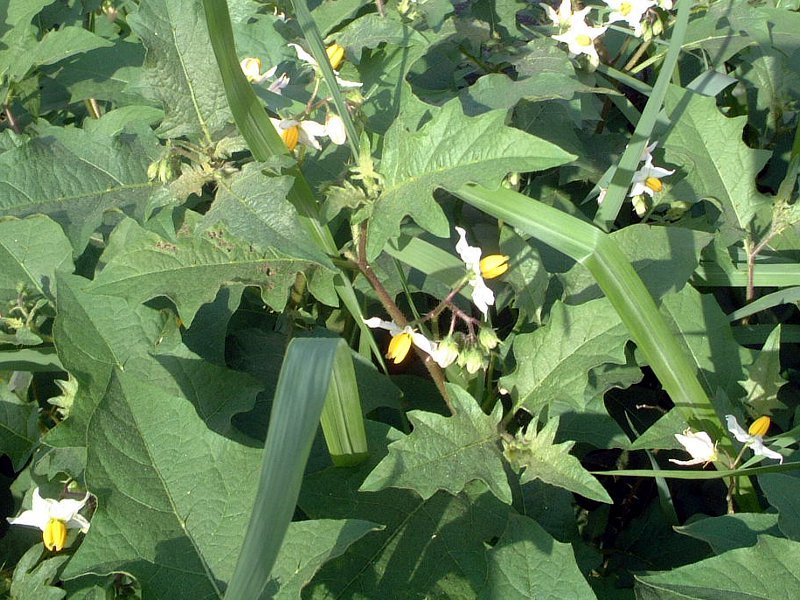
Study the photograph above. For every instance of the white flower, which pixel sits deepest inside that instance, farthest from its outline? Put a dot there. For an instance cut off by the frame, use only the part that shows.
(564, 16)
(402, 338)
(647, 180)
(53, 517)
(304, 132)
(665, 4)
(251, 67)
(630, 11)
(334, 128)
(754, 437)
(490, 267)
(698, 445)
(307, 58)
(580, 38)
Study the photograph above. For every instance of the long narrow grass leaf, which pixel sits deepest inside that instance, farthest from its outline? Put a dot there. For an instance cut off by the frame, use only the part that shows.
(621, 181)
(317, 47)
(303, 386)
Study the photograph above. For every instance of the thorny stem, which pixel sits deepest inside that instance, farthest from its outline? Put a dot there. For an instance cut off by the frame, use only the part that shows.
(396, 314)
(636, 56)
(432, 314)
(752, 254)
(94, 108)
(12, 121)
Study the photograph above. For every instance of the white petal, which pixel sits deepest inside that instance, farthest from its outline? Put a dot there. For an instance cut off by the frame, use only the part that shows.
(78, 522)
(694, 461)
(377, 323)
(698, 444)
(281, 82)
(469, 254)
(760, 449)
(334, 128)
(303, 55)
(348, 84)
(420, 341)
(482, 296)
(734, 427)
(270, 72)
(67, 509)
(31, 518)
(310, 131)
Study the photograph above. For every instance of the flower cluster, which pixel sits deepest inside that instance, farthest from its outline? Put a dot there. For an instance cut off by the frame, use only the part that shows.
(54, 518)
(703, 450)
(294, 131)
(469, 352)
(580, 36)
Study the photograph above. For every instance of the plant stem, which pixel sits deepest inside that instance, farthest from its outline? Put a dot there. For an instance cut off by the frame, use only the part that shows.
(396, 314)
(12, 121)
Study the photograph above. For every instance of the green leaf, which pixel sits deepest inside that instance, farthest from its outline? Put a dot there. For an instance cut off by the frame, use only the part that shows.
(708, 148)
(447, 151)
(172, 502)
(180, 69)
(553, 362)
(74, 176)
(19, 427)
(764, 378)
(32, 250)
(545, 73)
(433, 548)
(766, 570)
(728, 532)
(661, 435)
(254, 207)
(65, 42)
(527, 563)
(330, 13)
(528, 278)
(32, 580)
(783, 492)
(104, 73)
(700, 324)
(191, 271)
(309, 545)
(552, 463)
(664, 257)
(445, 453)
(18, 37)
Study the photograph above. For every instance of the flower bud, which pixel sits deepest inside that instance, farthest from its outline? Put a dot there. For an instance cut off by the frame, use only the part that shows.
(487, 338)
(446, 352)
(471, 359)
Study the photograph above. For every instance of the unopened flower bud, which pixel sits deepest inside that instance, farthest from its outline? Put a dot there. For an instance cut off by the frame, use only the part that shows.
(487, 338)
(471, 359)
(446, 352)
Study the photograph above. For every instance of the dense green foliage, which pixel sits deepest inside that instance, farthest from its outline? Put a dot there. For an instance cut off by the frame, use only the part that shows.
(216, 217)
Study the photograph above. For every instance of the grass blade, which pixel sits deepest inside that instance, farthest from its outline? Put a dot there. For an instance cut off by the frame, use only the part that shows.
(621, 180)
(307, 376)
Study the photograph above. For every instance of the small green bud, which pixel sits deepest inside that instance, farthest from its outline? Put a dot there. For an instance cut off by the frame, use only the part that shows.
(488, 338)
(471, 359)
